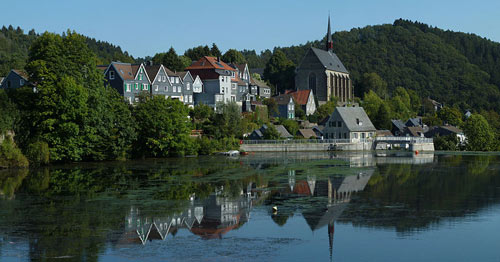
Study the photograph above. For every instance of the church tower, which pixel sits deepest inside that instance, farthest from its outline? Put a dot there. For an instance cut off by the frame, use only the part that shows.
(329, 41)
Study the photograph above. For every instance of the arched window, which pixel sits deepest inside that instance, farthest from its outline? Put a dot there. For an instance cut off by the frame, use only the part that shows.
(312, 82)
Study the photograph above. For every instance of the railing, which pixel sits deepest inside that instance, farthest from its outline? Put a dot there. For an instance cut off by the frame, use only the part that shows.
(408, 139)
(298, 141)
(388, 139)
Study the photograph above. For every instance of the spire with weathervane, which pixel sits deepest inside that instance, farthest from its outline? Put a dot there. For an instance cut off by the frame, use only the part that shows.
(329, 41)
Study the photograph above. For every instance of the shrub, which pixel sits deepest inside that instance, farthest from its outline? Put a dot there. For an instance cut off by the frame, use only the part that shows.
(10, 155)
(38, 153)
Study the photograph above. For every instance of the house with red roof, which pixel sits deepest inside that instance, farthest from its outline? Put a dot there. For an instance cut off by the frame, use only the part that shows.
(305, 98)
(217, 78)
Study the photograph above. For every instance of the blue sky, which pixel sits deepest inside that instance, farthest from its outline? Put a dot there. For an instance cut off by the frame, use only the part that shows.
(147, 27)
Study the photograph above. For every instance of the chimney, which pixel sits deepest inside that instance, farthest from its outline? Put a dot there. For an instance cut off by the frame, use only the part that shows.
(218, 59)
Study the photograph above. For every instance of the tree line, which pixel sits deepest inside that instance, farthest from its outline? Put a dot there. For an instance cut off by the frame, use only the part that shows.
(73, 116)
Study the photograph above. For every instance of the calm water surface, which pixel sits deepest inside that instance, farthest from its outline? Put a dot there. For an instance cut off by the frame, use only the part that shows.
(329, 207)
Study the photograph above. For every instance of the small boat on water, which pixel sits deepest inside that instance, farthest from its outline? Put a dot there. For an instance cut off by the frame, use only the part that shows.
(232, 153)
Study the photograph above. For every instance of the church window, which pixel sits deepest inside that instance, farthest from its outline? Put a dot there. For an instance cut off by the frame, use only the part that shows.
(312, 81)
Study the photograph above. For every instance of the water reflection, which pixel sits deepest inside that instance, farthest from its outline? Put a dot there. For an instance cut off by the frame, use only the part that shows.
(209, 218)
(79, 211)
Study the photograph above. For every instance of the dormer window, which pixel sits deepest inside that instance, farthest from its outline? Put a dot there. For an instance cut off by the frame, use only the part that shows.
(111, 75)
(358, 122)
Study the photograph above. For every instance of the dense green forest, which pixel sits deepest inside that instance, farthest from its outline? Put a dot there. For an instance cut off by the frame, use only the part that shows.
(14, 47)
(453, 68)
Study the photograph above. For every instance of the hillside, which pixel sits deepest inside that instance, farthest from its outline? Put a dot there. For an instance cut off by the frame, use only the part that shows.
(454, 68)
(14, 47)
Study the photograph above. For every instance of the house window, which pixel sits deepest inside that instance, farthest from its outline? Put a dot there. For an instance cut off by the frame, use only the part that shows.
(188, 86)
(156, 88)
(140, 76)
(163, 78)
(128, 87)
(111, 75)
(176, 80)
(339, 124)
(191, 99)
(174, 89)
(362, 135)
(21, 82)
(356, 135)
(179, 89)
(136, 86)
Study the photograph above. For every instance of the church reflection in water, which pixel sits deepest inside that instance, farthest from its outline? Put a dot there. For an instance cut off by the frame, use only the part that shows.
(324, 199)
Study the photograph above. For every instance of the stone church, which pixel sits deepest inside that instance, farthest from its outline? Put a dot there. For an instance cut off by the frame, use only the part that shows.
(322, 71)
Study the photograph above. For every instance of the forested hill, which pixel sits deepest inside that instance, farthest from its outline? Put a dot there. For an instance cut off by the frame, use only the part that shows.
(454, 68)
(14, 46)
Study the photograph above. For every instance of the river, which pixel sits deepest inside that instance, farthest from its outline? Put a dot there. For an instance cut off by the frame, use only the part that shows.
(265, 207)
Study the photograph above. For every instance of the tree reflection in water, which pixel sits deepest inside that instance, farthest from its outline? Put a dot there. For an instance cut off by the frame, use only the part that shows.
(77, 211)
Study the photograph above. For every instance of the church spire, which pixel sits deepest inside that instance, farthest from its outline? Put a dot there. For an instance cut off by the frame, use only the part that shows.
(329, 41)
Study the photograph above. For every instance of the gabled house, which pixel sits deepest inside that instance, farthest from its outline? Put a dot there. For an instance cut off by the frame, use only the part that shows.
(398, 127)
(349, 123)
(305, 98)
(283, 132)
(197, 84)
(160, 82)
(318, 130)
(446, 131)
(128, 79)
(241, 82)
(414, 131)
(182, 86)
(217, 78)
(15, 79)
(417, 121)
(306, 133)
(286, 106)
(260, 88)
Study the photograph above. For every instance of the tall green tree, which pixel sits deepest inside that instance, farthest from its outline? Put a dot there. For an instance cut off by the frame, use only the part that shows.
(451, 116)
(169, 59)
(163, 128)
(372, 81)
(233, 56)
(9, 113)
(371, 103)
(198, 52)
(280, 71)
(383, 118)
(227, 122)
(478, 133)
(214, 51)
(73, 113)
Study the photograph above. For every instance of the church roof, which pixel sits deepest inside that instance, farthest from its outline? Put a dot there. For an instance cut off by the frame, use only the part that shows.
(329, 60)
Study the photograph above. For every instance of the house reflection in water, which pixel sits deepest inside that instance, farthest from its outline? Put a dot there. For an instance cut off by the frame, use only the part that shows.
(211, 218)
